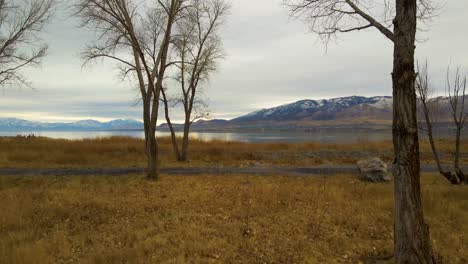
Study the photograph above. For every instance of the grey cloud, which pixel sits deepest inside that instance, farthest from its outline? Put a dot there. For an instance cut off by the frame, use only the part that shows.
(271, 60)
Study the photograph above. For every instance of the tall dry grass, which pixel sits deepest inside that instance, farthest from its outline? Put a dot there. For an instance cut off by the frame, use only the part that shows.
(216, 219)
(129, 152)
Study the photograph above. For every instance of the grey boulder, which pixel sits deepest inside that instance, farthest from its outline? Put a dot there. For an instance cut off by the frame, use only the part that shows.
(373, 170)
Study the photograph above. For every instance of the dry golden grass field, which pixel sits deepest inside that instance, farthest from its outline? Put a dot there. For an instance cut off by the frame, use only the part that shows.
(211, 219)
(216, 219)
(129, 152)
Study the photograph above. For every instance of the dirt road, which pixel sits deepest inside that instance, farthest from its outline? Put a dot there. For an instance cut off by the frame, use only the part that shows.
(293, 171)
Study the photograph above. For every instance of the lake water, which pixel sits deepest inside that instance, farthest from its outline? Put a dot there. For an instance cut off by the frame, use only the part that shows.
(343, 135)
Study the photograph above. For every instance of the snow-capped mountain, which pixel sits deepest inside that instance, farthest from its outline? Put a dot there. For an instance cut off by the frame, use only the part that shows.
(336, 108)
(343, 110)
(14, 124)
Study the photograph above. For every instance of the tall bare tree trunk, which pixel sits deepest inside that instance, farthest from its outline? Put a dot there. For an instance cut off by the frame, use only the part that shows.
(175, 146)
(185, 139)
(458, 170)
(152, 153)
(151, 143)
(431, 141)
(447, 174)
(457, 96)
(412, 241)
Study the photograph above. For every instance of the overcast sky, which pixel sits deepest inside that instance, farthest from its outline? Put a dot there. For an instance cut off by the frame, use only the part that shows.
(271, 60)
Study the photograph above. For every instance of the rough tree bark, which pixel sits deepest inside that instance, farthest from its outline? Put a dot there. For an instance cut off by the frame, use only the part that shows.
(330, 17)
(412, 241)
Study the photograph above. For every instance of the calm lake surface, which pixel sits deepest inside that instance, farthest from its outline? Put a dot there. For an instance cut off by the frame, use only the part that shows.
(338, 136)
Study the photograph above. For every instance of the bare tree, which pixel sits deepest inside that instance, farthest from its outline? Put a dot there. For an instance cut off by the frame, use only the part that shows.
(329, 17)
(137, 37)
(20, 43)
(456, 89)
(197, 50)
(424, 90)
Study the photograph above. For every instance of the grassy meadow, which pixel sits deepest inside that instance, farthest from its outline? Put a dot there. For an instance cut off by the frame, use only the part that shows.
(211, 219)
(216, 219)
(39, 152)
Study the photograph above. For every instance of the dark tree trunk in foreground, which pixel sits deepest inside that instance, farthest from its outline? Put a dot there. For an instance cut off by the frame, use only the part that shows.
(330, 17)
(412, 241)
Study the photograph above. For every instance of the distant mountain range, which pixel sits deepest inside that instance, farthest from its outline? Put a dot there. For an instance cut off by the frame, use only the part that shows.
(14, 124)
(354, 111)
(351, 111)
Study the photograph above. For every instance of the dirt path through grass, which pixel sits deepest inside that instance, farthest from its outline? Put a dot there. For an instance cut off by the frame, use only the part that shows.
(328, 170)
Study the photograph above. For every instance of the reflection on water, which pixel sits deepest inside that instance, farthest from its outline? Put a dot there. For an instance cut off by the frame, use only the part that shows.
(343, 135)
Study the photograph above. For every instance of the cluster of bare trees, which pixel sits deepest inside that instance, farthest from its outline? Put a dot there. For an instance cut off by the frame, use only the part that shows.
(398, 23)
(456, 92)
(138, 38)
(146, 39)
(151, 42)
(20, 43)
